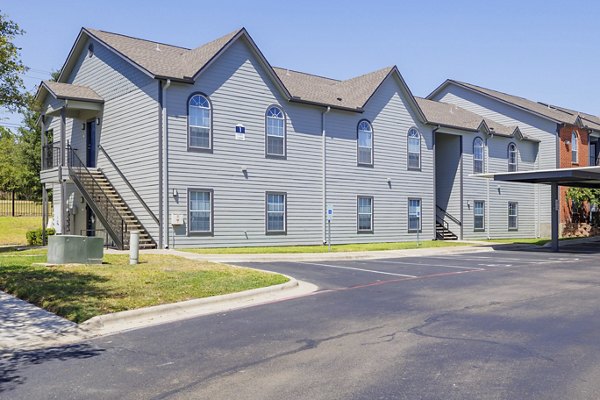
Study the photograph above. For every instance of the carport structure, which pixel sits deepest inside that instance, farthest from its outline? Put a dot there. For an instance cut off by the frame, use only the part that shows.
(584, 177)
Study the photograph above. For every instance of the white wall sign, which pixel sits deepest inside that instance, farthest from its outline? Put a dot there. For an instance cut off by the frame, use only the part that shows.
(240, 132)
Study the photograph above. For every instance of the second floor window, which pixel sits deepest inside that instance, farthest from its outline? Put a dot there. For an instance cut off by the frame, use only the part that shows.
(275, 132)
(478, 156)
(574, 147)
(199, 123)
(414, 149)
(512, 157)
(365, 143)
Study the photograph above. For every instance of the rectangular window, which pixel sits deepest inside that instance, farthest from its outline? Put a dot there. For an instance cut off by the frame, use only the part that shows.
(513, 215)
(479, 215)
(200, 211)
(414, 215)
(365, 214)
(276, 213)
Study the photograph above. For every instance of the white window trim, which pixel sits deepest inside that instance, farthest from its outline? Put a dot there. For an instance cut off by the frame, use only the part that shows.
(211, 212)
(482, 215)
(371, 214)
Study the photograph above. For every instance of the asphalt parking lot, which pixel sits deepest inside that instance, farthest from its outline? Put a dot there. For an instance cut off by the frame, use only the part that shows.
(489, 325)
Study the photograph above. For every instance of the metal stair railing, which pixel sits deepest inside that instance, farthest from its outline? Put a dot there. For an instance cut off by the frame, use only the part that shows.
(102, 206)
(447, 214)
(129, 185)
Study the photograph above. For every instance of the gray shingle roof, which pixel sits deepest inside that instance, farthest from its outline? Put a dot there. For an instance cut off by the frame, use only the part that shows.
(352, 93)
(453, 116)
(589, 120)
(72, 92)
(160, 59)
(167, 61)
(526, 104)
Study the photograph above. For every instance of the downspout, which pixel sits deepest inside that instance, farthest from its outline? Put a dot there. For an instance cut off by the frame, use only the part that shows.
(433, 137)
(165, 167)
(324, 177)
(488, 222)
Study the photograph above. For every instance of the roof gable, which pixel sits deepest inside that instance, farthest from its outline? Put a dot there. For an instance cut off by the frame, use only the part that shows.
(521, 103)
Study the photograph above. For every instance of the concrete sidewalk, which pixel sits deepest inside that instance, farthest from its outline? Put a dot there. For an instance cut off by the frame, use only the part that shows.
(23, 325)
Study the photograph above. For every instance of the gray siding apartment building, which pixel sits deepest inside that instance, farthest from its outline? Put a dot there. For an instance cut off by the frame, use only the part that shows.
(213, 147)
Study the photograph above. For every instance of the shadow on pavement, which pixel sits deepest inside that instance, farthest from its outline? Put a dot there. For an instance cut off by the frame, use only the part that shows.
(11, 362)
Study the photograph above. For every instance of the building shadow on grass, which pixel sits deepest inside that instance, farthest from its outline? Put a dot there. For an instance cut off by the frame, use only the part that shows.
(70, 294)
(11, 362)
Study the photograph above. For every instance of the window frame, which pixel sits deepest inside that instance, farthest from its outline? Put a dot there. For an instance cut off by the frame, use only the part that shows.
(210, 130)
(475, 228)
(420, 229)
(285, 210)
(211, 232)
(574, 147)
(271, 155)
(516, 163)
(516, 216)
(475, 141)
(408, 153)
(358, 147)
(372, 214)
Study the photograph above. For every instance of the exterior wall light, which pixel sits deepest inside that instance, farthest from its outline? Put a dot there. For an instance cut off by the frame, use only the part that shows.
(175, 193)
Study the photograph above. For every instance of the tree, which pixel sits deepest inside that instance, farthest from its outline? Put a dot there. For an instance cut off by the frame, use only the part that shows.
(12, 95)
(9, 168)
(29, 152)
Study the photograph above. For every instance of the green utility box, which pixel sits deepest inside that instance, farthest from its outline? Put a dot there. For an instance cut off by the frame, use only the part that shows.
(74, 249)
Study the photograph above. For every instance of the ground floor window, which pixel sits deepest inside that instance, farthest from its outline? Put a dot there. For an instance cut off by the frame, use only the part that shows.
(276, 212)
(414, 215)
(200, 210)
(513, 215)
(365, 214)
(479, 215)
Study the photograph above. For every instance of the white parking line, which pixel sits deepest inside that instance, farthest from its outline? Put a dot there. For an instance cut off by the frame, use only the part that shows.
(358, 269)
(426, 265)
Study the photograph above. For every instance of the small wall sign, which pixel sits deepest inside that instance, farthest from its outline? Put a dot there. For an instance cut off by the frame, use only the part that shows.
(240, 132)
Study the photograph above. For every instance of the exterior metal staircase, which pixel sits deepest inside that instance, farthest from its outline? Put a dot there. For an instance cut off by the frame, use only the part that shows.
(442, 230)
(443, 233)
(108, 206)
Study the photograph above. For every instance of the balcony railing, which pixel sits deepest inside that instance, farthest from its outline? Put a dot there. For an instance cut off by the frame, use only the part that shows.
(51, 156)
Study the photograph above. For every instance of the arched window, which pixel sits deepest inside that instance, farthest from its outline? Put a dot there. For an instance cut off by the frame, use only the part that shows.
(574, 147)
(365, 143)
(414, 149)
(478, 156)
(199, 123)
(275, 132)
(512, 157)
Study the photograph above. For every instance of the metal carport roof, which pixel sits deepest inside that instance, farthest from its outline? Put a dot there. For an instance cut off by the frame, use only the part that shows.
(585, 177)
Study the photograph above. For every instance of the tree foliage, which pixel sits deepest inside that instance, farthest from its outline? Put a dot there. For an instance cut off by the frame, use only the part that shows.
(12, 95)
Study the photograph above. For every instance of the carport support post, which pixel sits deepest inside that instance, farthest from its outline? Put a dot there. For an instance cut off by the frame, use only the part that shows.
(554, 215)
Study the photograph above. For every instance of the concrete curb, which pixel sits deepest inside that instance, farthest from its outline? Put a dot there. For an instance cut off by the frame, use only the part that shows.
(337, 256)
(154, 315)
(575, 241)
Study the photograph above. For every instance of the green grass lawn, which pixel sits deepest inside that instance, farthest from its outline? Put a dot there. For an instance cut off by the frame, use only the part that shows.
(324, 249)
(80, 292)
(13, 229)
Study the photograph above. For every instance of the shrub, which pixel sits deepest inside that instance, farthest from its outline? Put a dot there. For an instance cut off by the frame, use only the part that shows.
(34, 237)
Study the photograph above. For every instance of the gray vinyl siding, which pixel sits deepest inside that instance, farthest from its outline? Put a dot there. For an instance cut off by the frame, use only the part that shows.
(529, 124)
(497, 194)
(448, 175)
(388, 113)
(129, 129)
(240, 92)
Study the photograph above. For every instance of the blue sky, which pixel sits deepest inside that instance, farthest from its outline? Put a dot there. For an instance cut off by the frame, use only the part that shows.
(542, 50)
